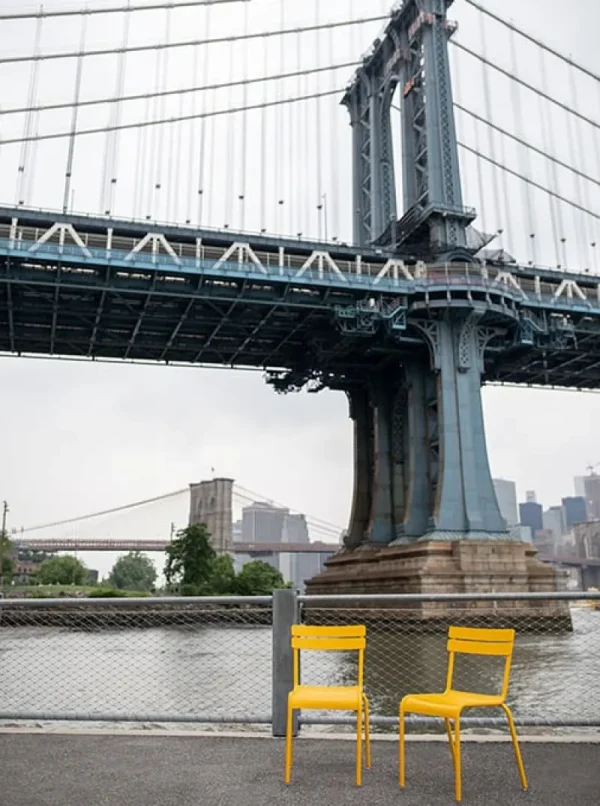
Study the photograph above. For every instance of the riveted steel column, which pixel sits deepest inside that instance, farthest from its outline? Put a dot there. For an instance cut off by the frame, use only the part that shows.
(362, 414)
(416, 511)
(381, 526)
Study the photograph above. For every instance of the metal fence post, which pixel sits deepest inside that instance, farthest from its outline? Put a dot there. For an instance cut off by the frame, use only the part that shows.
(285, 613)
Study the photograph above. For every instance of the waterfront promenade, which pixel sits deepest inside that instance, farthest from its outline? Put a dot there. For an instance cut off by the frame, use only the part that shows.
(104, 769)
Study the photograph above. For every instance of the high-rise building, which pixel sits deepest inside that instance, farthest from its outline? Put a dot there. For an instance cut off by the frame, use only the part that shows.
(554, 522)
(545, 542)
(295, 529)
(591, 485)
(306, 566)
(263, 523)
(574, 511)
(211, 504)
(506, 493)
(579, 483)
(530, 514)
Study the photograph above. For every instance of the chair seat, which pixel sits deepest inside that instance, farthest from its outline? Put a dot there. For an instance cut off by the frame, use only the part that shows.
(450, 703)
(330, 698)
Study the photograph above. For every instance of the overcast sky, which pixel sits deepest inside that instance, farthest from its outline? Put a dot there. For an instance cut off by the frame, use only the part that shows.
(79, 437)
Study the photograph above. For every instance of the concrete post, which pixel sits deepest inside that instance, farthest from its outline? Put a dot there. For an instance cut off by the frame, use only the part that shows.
(285, 613)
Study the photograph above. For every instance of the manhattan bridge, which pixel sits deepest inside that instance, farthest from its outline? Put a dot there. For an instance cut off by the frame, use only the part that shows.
(232, 183)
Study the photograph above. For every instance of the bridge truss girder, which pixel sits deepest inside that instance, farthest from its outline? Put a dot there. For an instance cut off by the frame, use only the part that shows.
(97, 288)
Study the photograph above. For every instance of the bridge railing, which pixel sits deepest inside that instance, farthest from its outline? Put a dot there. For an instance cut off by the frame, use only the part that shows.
(227, 660)
(346, 274)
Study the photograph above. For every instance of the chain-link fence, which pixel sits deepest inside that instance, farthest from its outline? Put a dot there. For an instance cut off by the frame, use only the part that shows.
(187, 660)
(555, 676)
(228, 660)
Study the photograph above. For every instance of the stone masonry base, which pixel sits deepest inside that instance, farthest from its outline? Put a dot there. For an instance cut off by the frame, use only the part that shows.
(461, 566)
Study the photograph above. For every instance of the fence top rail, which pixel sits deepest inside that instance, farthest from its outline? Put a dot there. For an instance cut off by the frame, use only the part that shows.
(383, 598)
(132, 602)
(326, 599)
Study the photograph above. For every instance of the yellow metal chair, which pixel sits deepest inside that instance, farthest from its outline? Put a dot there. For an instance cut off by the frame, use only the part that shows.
(450, 704)
(321, 698)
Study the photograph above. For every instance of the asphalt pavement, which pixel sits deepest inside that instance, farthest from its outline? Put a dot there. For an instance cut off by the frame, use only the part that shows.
(121, 770)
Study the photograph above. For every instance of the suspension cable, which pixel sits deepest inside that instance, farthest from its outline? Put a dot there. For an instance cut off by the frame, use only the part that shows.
(523, 83)
(75, 12)
(111, 511)
(533, 183)
(250, 495)
(140, 124)
(512, 27)
(73, 54)
(526, 145)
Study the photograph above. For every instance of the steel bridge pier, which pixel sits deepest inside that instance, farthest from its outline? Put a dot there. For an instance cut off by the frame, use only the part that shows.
(421, 464)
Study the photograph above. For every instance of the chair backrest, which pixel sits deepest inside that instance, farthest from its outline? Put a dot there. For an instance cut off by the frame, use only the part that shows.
(480, 641)
(341, 639)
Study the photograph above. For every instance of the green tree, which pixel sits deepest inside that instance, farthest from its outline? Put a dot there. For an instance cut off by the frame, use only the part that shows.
(133, 572)
(62, 571)
(258, 579)
(190, 559)
(6, 558)
(223, 580)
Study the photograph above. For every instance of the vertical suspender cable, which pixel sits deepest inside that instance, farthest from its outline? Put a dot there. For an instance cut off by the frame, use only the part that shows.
(150, 147)
(204, 122)
(67, 198)
(153, 186)
(292, 162)
(332, 201)
(318, 161)
(242, 194)
(179, 171)
(161, 109)
(583, 196)
(111, 151)
(546, 118)
(297, 179)
(491, 135)
(291, 179)
(230, 123)
(523, 154)
(140, 164)
(279, 116)
(306, 162)
(263, 135)
(594, 224)
(172, 176)
(192, 143)
(24, 168)
(483, 207)
(210, 140)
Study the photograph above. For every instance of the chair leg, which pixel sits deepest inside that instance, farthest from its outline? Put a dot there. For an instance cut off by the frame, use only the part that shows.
(401, 750)
(289, 748)
(367, 733)
(450, 737)
(517, 749)
(359, 745)
(457, 761)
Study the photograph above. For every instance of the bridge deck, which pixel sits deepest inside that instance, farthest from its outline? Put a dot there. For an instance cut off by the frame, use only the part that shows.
(172, 771)
(101, 544)
(97, 288)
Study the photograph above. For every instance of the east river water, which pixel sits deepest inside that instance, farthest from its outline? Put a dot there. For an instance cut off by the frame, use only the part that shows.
(200, 671)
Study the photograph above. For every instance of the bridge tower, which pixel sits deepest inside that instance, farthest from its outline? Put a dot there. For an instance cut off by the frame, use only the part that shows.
(424, 502)
(211, 504)
(412, 56)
